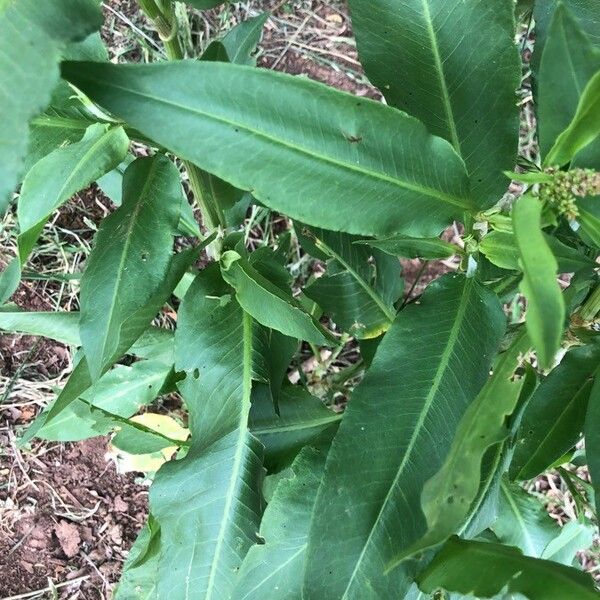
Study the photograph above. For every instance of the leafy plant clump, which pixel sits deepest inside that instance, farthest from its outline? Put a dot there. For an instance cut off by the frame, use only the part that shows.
(271, 490)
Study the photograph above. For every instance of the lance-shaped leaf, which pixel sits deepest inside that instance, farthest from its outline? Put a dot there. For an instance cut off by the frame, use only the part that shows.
(448, 497)
(273, 569)
(500, 248)
(64, 172)
(302, 419)
(270, 305)
(569, 50)
(555, 415)
(360, 286)
(330, 144)
(130, 258)
(523, 521)
(485, 569)
(428, 368)
(208, 526)
(545, 304)
(60, 326)
(430, 57)
(592, 439)
(582, 130)
(32, 37)
(408, 247)
(587, 13)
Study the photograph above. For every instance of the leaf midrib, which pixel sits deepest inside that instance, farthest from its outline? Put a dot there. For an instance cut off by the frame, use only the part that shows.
(443, 365)
(449, 199)
(241, 442)
(442, 78)
(119, 278)
(515, 509)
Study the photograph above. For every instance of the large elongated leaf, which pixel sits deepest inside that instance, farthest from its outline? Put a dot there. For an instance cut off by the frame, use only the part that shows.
(61, 174)
(55, 178)
(448, 496)
(430, 57)
(587, 13)
(60, 326)
(582, 130)
(211, 520)
(567, 50)
(485, 569)
(523, 521)
(273, 569)
(545, 304)
(430, 365)
(554, 418)
(131, 257)
(269, 304)
(32, 36)
(330, 144)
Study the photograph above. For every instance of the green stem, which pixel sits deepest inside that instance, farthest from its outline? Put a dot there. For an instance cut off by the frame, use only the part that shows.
(163, 17)
(591, 306)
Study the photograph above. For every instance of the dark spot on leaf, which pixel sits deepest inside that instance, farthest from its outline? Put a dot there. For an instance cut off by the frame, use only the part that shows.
(353, 139)
(144, 256)
(196, 374)
(450, 500)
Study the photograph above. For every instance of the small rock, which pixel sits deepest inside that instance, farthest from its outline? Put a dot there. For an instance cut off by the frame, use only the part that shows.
(68, 537)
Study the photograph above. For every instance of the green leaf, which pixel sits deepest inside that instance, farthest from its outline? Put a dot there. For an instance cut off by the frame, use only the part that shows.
(395, 435)
(32, 36)
(567, 50)
(448, 497)
(209, 524)
(417, 187)
(64, 327)
(273, 569)
(138, 580)
(130, 258)
(122, 391)
(360, 286)
(269, 304)
(430, 57)
(204, 4)
(302, 419)
(239, 43)
(407, 247)
(554, 418)
(500, 248)
(545, 304)
(587, 13)
(574, 537)
(582, 130)
(523, 521)
(64, 172)
(60, 326)
(592, 438)
(485, 569)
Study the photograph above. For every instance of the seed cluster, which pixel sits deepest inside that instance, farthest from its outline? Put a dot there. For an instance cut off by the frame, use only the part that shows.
(567, 186)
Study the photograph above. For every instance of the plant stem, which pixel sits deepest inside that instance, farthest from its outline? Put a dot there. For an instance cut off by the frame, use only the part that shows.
(591, 306)
(162, 15)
